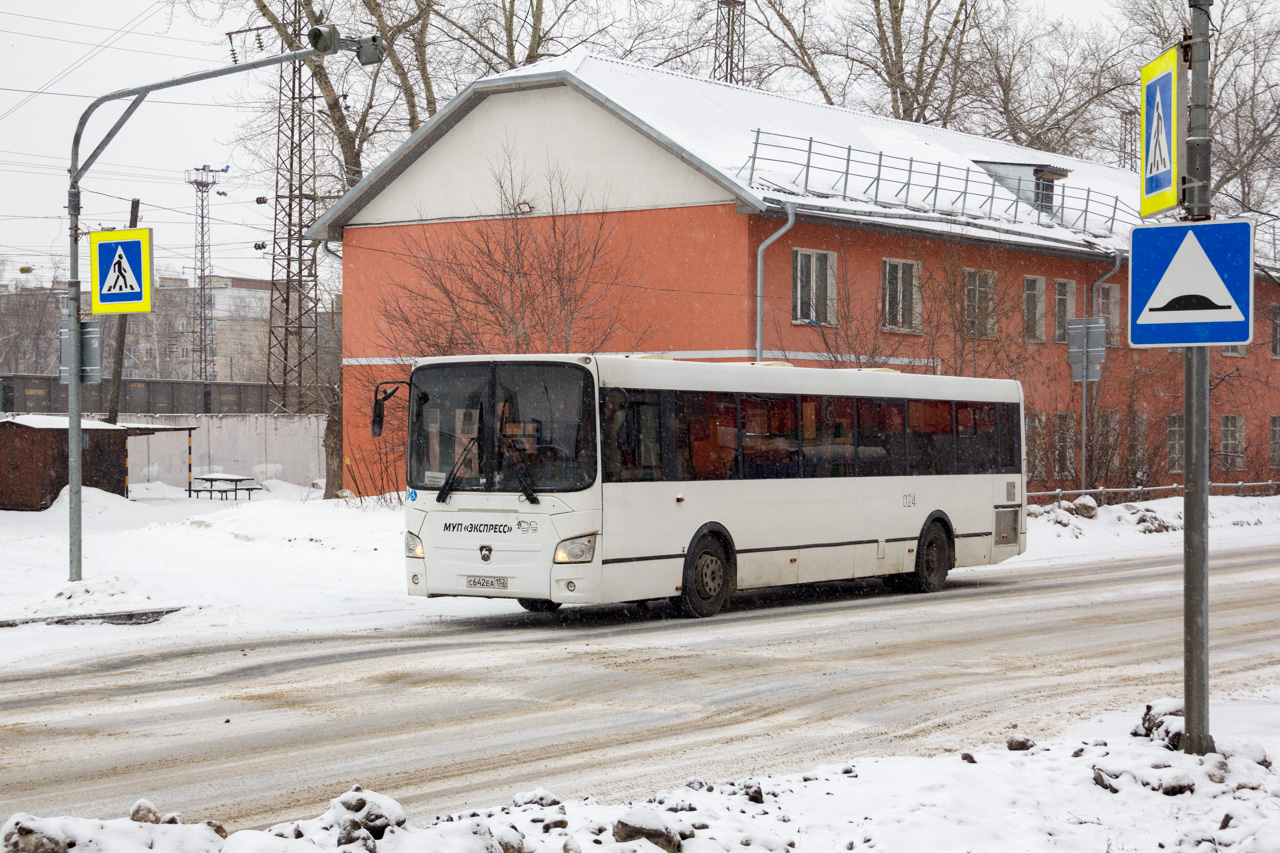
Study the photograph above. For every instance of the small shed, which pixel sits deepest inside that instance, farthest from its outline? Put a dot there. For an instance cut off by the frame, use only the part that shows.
(33, 459)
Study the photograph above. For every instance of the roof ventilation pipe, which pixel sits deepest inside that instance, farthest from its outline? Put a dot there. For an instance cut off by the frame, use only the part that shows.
(791, 220)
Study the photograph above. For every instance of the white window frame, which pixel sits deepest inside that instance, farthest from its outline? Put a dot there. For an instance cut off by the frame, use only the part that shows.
(1175, 444)
(1064, 307)
(1231, 443)
(979, 303)
(893, 320)
(1033, 308)
(1109, 307)
(1234, 350)
(1275, 331)
(826, 316)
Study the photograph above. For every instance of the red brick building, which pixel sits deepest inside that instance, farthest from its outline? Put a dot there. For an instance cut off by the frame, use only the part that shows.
(912, 247)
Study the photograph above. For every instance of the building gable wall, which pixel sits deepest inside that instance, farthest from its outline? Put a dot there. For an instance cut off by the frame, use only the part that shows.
(557, 127)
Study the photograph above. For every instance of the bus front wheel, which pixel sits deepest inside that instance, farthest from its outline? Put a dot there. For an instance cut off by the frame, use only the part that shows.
(706, 578)
(538, 605)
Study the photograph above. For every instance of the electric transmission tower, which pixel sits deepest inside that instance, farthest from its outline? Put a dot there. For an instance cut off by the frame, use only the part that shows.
(731, 41)
(203, 179)
(1129, 140)
(293, 369)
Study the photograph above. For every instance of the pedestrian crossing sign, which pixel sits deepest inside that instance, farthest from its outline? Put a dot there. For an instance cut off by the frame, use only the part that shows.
(1163, 85)
(120, 263)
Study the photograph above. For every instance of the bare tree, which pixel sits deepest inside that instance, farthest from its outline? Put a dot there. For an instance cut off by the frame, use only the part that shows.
(918, 52)
(542, 275)
(1047, 84)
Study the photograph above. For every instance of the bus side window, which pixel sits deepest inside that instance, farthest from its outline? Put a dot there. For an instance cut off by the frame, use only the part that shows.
(707, 435)
(770, 437)
(630, 436)
(1009, 443)
(827, 436)
(932, 437)
(882, 439)
(975, 438)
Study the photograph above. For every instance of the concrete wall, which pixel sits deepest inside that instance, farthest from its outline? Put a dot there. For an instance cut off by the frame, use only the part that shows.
(267, 447)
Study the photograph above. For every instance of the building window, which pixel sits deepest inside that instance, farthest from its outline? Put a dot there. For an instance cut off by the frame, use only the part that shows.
(1174, 444)
(979, 303)
(184, 353)
(1109, 307)
(900, 283)
(1275, 331)
(1033, 308)
(1064, 444)
(1275, 441)
(1234, 350)
(1232, 444)
(1064, 308)
(1044, 194)
(813, 287)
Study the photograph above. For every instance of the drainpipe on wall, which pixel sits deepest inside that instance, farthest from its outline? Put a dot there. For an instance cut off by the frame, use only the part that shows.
(791, 220)
(1097, 285)
(328, 250)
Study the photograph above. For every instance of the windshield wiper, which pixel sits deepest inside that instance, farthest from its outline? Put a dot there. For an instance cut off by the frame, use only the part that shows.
(522, 471)
(451, 479)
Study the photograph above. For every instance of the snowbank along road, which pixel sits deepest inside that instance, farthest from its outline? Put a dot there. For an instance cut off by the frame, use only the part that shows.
(616, 702)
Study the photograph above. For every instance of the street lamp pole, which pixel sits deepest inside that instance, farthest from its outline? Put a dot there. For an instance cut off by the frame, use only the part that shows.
(324, 40)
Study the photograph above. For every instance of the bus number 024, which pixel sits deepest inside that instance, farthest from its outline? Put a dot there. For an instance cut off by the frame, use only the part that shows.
(908, 500)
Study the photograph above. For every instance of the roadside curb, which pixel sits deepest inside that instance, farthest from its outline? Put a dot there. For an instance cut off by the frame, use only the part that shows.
(128, 617)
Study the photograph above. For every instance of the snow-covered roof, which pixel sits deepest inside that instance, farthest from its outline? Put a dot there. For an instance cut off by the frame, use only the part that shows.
(770, 149)
(54, 422)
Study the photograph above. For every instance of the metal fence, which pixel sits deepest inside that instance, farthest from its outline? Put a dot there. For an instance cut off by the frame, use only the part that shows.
(812, 167)
(1270, 487)
(809, 166)
(46, 395)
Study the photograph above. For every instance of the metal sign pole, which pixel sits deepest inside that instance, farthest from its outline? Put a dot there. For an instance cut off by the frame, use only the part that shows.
(324, 40)
(1196, 738)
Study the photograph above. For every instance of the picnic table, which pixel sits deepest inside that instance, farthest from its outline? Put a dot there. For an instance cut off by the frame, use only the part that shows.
(225, 484)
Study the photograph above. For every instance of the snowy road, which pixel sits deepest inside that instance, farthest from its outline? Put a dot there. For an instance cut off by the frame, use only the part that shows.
(614, 703)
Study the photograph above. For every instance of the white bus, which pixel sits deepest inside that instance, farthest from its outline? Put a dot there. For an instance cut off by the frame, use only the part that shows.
(589, 479)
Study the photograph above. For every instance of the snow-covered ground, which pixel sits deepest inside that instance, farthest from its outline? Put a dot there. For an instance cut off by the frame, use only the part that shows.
(287, 563)
(1109, 786)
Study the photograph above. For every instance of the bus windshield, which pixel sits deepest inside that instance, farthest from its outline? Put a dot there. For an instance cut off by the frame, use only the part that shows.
(502, 427)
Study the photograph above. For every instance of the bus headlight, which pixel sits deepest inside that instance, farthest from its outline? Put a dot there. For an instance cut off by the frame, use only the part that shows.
(412, 545)
(579, 550)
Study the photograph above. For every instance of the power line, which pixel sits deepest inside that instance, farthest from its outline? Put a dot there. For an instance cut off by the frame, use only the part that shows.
(91, 97)
(106, 46)
(136, 20)
(94, 27)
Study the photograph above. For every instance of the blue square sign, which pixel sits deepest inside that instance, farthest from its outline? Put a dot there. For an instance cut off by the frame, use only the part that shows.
(1191, 284)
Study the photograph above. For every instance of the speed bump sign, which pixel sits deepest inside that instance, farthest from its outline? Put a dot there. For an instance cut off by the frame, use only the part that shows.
(120, 264)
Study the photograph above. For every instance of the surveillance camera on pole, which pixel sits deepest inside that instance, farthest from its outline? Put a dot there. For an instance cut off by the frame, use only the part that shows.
(324, 39)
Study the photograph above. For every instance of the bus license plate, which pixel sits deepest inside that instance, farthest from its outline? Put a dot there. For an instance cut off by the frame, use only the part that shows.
(486, 583)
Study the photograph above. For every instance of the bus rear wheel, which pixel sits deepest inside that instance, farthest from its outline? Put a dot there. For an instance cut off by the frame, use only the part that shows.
(706, 579)
(538, 605)
(933, 561)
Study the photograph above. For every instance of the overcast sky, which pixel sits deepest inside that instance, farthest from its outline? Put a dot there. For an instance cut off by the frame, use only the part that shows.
(56, 56)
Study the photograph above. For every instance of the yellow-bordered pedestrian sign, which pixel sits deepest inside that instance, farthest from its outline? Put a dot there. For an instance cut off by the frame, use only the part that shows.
(1162, 120)
(120, 264)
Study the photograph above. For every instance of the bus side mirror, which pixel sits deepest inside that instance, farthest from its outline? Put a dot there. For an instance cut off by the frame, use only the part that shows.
(380, 398)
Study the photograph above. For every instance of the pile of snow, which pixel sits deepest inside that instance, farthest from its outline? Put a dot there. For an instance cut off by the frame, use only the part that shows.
(1082, 792)
(1132, 526)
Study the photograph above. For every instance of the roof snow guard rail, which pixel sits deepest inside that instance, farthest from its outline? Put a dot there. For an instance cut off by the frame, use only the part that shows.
(808, 166)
